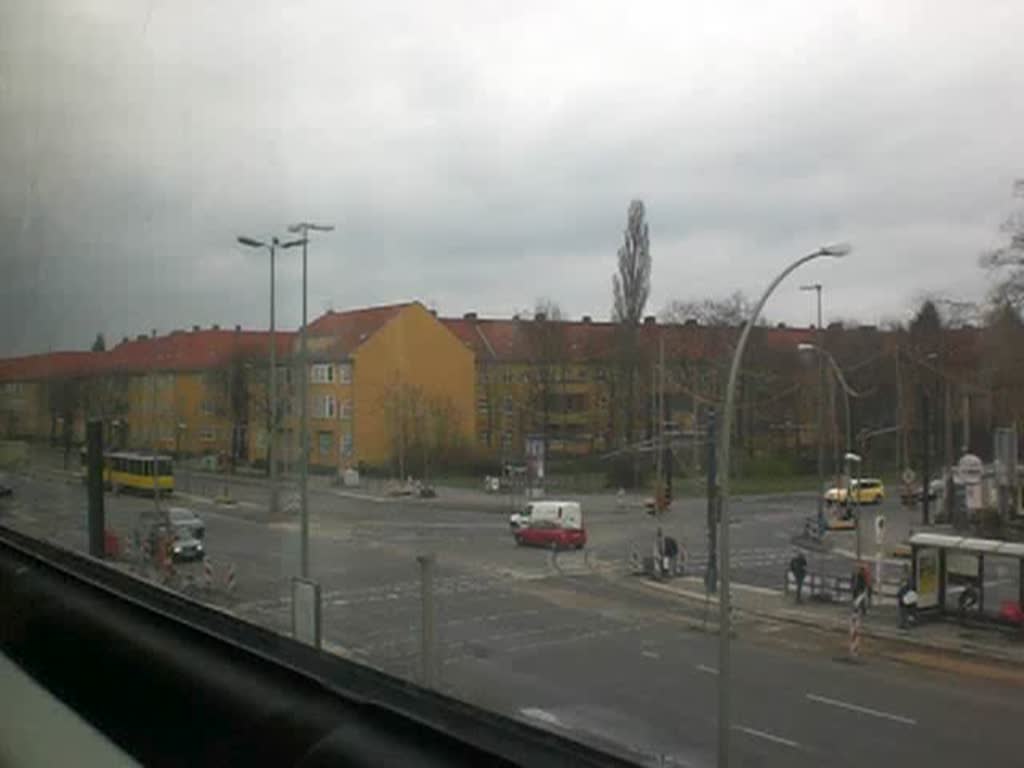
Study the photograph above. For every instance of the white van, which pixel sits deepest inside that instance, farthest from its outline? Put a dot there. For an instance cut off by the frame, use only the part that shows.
(564, 514)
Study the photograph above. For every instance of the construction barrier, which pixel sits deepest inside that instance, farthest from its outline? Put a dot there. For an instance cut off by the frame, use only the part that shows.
(111, 544)
(207, 574)
(229, 584)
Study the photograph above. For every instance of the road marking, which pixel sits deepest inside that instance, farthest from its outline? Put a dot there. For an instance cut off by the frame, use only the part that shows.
(767, 736)
(706, 668)
(650, 654)
(862, 710)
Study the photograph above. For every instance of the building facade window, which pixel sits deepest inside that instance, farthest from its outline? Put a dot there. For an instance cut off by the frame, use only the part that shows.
(506, 440)
(508, 405)
(322, 373)
(345, 410)
(325, 407)
(346, 444)
(325, 441)
(207, 435)
(345, 373)
(207, 407)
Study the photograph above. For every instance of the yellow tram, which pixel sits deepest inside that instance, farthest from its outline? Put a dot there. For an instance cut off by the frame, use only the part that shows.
(129, 471)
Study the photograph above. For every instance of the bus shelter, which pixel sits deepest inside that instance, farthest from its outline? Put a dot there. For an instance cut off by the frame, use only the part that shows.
(945, 566)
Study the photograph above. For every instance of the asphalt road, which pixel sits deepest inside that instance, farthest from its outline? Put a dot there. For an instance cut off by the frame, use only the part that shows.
(570, 642)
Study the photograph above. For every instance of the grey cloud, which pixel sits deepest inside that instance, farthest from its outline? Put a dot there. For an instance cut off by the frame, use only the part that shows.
(481, 165)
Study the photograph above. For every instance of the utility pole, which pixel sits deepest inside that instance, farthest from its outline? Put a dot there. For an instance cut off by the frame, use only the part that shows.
(925, 468)
(965, 444)
(819, 343)
(900, 408)
(947, 474)
(711, 573)
(304, 228)
(663, 468)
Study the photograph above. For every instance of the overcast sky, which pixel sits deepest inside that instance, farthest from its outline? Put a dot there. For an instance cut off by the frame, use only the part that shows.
(481, 155)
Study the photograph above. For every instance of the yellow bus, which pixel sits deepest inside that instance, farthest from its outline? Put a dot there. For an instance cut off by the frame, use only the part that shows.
(127, 471)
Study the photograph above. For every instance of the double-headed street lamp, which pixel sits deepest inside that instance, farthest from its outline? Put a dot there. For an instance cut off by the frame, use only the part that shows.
(305, 228)
(724, 618)
(272, 246)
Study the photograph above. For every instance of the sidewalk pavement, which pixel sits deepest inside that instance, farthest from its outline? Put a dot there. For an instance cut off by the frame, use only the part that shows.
(881, 621)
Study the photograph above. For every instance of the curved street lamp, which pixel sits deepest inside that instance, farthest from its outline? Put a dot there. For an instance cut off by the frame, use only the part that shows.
(724, 704)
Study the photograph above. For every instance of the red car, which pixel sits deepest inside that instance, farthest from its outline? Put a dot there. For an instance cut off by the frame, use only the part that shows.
(546, 533)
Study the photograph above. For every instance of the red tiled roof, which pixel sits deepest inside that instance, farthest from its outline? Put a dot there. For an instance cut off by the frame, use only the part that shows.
(51, 364)
(191, 350)
(179, 351)
(350, 329)
(512, 340)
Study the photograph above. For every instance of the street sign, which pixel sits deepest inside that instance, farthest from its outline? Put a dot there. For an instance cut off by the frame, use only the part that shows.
(969, 469)
(908, 476)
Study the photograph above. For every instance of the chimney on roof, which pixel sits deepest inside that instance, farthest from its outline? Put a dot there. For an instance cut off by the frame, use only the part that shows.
(469, 316)
(195, 329)
(540, 317)
(650, 320)
(433, 312)
(152, 332)
(237, 328)
(586, 318)
(215, 327)
(124, 339)
(781, 326)
(691, 322)
(141, 337)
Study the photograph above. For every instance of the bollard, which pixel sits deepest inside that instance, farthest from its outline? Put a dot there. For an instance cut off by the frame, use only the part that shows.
(229, 584)
(207, 574)
(428, 662)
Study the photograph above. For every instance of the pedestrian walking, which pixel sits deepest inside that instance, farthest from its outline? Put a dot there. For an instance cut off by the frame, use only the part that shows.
(859, 587)
(659, 553)
(798, 567)
(906, 603)
(671, 556)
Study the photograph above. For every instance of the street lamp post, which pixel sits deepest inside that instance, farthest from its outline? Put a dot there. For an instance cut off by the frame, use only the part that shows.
(304, 227)
(816, 287)
(271, 453)
(848, 392)
(724, 703)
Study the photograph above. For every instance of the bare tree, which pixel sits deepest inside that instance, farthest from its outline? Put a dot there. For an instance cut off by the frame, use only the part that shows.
(547, 350)
(731, 311)
(631, 287)
(1006, 263)
(425, 429)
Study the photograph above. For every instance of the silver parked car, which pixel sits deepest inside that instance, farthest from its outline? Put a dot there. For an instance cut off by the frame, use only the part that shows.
(183, 519)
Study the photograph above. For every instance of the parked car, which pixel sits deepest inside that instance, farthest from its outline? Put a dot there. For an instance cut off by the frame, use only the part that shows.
(182, 518)
(549, 534)
(867, 490)
(186, 546)
(566, 513)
